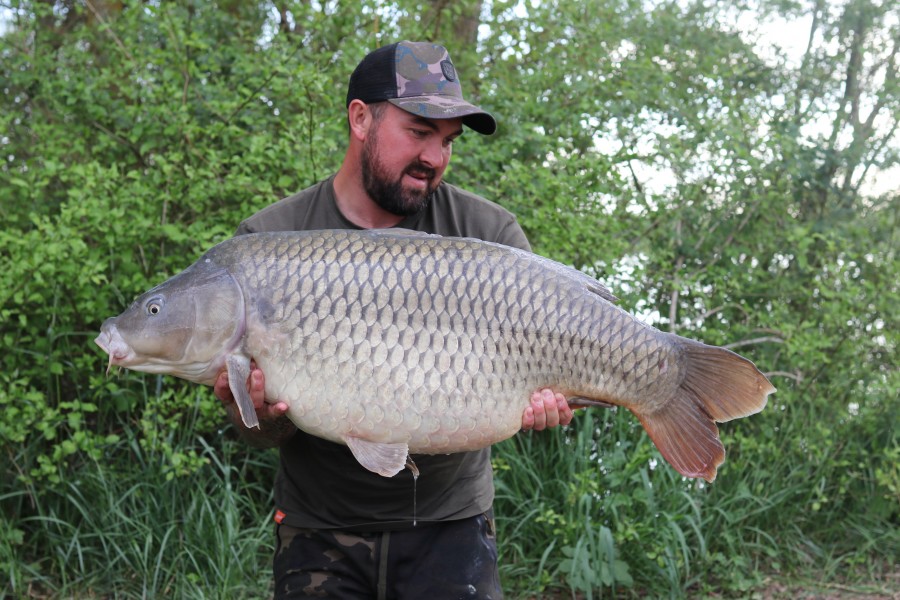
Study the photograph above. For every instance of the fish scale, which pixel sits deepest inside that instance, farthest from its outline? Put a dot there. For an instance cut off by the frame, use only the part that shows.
(398, 343)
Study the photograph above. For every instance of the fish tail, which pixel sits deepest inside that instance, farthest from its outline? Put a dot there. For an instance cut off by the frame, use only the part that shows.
(718, 386)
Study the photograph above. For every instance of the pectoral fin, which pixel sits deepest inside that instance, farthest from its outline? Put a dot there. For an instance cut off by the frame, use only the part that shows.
(238, 373)
(383, 458)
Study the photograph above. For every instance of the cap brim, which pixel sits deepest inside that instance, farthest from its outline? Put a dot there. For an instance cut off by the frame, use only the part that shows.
(448, 107)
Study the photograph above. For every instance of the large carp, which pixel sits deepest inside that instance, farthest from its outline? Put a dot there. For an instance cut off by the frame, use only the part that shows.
(395, 342)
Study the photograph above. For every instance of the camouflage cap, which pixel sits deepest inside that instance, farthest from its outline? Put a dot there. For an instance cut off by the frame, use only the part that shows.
(420, 78)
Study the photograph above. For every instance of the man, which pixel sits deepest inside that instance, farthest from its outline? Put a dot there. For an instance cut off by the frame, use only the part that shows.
(343, 531)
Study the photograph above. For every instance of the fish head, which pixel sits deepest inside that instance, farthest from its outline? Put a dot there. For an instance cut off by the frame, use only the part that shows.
(184, 327)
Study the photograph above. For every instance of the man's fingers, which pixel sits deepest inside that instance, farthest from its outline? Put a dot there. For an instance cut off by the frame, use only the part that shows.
(221, 389)
(547, 409)
(257, 386)
(273, 411)
(565, 412)
(551, 408)
(540, 415)
(528, 418)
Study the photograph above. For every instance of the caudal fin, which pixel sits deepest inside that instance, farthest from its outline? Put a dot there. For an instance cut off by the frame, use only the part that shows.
(719, 385)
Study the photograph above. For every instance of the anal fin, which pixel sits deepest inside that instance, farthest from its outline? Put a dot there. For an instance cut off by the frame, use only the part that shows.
(582, 402)
(686, 437)
(385, 459)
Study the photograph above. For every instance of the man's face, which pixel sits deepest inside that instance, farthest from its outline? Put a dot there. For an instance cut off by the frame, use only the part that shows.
(404, 158)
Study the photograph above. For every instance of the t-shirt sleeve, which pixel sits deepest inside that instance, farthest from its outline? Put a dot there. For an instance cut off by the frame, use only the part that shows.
(311, 208)
(511, 234)
(456, 212)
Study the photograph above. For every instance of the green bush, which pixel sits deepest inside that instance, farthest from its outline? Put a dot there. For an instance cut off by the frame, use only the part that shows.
(649, 144)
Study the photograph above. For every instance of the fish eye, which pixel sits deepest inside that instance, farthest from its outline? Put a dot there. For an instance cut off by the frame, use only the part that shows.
(154, 306)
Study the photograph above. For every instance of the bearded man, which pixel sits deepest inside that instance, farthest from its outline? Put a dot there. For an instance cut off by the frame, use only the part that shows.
(343, 531)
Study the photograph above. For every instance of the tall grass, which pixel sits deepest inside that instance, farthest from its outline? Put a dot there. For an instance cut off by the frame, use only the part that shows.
(594, 511)
(126, 528)
(588, 512)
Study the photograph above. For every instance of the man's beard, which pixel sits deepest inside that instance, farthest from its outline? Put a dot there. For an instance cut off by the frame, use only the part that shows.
(389, 194)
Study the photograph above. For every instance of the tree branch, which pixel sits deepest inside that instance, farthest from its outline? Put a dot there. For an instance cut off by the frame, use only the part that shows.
(798, 376)
(754, 341)
(108, 29)
(804, 63)
(134, 149)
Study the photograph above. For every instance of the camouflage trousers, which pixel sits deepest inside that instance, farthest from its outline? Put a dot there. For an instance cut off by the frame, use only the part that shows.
(455, 559)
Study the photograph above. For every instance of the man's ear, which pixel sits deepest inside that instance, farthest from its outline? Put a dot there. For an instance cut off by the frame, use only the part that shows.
(359, 117)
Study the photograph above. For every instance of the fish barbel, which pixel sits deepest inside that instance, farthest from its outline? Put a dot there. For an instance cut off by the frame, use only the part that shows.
(395, 342)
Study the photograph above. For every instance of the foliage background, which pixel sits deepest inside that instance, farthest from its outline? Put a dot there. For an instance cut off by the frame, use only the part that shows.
(724, 189)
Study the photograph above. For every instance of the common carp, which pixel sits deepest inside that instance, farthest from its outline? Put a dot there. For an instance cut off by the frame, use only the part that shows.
(395, 342)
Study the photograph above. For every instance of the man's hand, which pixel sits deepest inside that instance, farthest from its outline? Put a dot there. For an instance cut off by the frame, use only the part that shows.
(547, 409)
(256, 384)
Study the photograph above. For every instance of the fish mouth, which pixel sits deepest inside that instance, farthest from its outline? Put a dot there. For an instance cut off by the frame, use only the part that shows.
(110, 340)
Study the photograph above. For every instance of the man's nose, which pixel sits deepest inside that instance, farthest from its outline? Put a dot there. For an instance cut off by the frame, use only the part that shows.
(432, 153)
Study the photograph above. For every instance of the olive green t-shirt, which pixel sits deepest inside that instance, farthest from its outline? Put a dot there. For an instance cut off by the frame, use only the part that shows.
(320, 484)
